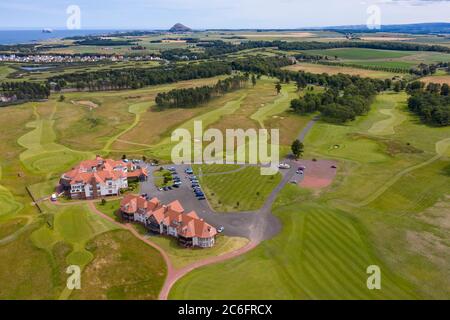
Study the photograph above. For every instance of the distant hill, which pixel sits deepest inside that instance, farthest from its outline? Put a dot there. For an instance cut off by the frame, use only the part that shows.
(180, 28)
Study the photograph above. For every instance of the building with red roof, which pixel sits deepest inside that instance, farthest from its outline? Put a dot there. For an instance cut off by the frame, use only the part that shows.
(171, 220)
(97, 178)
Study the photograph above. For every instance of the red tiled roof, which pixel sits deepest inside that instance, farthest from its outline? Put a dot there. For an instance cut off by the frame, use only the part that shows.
(101, 170)
(188, 225)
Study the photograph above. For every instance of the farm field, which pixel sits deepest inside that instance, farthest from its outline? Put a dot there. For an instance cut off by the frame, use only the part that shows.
(386, 224)
(320, 68)
(437, 79)
(361, 53)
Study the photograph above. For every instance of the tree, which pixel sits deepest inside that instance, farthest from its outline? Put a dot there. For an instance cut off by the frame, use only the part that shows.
(445, 90)
(124, 157)
(62, 98)
(253, 79)
(278, 88)
(297, 148)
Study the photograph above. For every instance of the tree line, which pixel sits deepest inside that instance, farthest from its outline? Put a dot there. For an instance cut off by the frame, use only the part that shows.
(23, 91)
(135, 78)
(190, 97)
(430, 102)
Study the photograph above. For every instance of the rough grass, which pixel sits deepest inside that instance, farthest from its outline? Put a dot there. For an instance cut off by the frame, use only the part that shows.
(124, 268)
(244, 190)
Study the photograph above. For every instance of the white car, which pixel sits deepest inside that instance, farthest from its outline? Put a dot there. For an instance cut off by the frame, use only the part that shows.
(284, 166)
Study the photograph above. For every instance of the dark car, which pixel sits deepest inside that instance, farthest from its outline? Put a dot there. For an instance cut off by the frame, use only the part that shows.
(176, 186)
(166, 189)
(201, 198)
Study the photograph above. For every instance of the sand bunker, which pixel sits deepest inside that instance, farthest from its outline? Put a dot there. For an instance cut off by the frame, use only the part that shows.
(86, 103)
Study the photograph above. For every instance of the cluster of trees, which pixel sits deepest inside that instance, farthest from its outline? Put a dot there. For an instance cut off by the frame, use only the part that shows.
(425, 69)
(134, 78)
(190, 97)
(24, 91)
(431, 102)
(345, 98)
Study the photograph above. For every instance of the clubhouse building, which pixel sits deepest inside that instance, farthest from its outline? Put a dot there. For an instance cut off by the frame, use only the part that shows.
(93, 179)
(171, 220)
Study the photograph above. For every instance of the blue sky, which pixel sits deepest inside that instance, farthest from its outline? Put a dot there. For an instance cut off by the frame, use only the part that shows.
(199, 14)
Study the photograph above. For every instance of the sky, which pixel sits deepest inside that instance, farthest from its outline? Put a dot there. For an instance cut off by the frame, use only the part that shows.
(210, 14)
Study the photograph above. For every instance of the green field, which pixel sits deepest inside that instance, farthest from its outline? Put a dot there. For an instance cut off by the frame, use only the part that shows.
(361, 53)
(243, 190)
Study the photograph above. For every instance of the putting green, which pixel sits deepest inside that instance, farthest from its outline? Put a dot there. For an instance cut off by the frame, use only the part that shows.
(43, 155)
(395, 117)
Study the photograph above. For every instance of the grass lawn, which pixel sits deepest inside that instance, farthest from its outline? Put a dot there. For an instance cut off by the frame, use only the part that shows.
(110, 208)
(320, 254)
(182, 257)
(244, 190)
(163, 178)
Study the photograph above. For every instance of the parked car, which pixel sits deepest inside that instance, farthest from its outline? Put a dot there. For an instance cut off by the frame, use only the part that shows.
(201, 198)
(302, 168)
(176, 186)
(300, 172)
(189, 171)
(221, 229)
(166, 189)
(144, 195)
(333, 167)
(294, 182)
(177, 183)
(284, 166)
(160, 189)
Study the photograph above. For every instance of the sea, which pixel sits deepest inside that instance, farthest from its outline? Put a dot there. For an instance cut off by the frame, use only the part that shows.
(8, 37)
